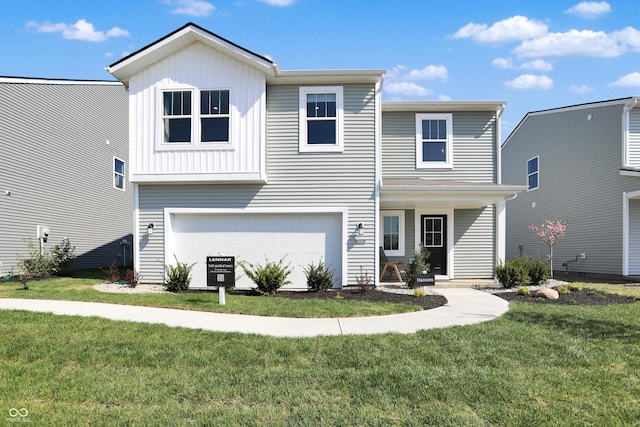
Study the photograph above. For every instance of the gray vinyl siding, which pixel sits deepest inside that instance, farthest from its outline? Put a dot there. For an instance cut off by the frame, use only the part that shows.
(580, 158)
(59, 168)
(474, 147)
(634, 237)
(474, 232)
(323, 180)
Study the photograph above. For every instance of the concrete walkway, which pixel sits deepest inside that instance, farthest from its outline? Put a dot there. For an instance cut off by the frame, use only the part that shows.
(465, 307)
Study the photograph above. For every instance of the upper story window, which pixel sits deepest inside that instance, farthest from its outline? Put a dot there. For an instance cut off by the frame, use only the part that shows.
(214, 116)
(212, 119)
(393, 232)
(532, 173)
(176, 116)
(434, 141)
(321, 122)
(118, 173)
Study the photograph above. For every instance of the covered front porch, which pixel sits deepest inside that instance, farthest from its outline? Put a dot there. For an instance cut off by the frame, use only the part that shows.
(460, 223)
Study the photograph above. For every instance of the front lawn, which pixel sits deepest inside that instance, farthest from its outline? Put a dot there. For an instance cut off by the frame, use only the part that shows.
(536, 365)
(81, 289)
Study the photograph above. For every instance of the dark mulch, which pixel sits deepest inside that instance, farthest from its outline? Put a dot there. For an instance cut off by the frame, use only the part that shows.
(426, 302)
(583, 297)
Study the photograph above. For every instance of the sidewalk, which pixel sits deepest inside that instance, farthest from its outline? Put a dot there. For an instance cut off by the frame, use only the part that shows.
(465, 307)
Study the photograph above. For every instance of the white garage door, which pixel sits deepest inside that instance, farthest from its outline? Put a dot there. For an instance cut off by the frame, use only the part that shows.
(255, 238)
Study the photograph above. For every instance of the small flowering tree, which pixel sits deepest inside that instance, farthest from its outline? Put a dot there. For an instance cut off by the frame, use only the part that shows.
(548, 233)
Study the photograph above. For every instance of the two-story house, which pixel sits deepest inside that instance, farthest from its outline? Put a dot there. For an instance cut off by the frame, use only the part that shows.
(63, 170)
(580, 163)
(231, 155)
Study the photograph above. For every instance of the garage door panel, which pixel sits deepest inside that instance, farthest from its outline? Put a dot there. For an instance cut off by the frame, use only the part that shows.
(255, 238)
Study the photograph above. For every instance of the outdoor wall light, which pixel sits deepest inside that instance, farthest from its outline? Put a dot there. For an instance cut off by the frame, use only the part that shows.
(360, 229)
(150, 228)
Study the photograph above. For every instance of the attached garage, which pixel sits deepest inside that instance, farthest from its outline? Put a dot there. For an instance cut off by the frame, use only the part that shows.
(255, 236)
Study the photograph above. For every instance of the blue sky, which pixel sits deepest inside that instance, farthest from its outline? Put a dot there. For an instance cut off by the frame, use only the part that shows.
(534, 54)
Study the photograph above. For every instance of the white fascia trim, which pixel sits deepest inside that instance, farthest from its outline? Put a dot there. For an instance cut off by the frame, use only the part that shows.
(211, 178)
(343, 212)
(27, 80)
(501, 231)
(378, 171)
(499, 112)
(450, 235)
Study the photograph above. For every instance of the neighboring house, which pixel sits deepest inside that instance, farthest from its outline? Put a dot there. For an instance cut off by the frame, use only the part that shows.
(231, 155)
(64, 166)
(581, 163)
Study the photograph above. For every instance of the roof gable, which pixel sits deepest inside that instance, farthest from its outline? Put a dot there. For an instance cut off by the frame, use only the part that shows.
(179, 39)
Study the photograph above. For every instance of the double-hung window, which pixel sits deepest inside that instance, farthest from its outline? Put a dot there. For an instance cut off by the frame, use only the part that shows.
(393, 232)
(214, 116)
(118, 173)
(321, 119)
(434, 141)
(533, 173)
(183, 123)
(176, 116)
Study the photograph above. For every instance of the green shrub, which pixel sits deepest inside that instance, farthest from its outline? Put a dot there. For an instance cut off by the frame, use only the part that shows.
(44, 264)
(512, 273)
(269, 277)
(417, 264)
(575, 286)
(319, 277)
(537, 269)
(418, 292)
(523, 290)
(563, 289)
(177, 277)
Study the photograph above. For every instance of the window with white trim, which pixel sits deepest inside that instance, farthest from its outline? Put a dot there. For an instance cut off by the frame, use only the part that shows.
(214, 116)
(321, 119)
(434, 141)
(392, 232)
(183, 123)
(533, 172)
(118, 173)
(176, 116)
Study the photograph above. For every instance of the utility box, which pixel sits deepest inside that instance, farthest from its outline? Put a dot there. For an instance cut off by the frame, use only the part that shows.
(43, 232)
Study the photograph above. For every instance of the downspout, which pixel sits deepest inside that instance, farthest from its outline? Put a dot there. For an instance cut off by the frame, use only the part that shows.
(499, 113)
(377, 175)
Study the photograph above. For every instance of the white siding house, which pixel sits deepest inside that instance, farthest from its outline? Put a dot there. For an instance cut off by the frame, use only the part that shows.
(233, 156)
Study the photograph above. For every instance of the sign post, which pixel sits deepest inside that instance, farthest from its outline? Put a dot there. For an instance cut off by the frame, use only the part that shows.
(221, 272)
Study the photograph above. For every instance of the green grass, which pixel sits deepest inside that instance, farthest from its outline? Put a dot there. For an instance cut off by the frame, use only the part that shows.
(536, 365)
(80, 289)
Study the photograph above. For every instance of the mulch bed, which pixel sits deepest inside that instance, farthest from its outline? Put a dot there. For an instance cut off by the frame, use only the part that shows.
(426, 302)
(582, 298)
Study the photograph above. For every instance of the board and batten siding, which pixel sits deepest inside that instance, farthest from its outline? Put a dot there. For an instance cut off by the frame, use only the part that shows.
(307, 180)
(580, 152)
(474, 240)
(59, 140)
(214, 70)
(474, 147)
(633, 150)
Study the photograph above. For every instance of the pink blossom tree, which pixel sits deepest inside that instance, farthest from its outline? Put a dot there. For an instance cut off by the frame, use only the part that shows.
(548, 233)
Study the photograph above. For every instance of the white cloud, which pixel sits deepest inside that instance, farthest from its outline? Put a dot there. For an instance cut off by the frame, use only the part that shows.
(530, 82)
(444, 98)
(585, 43)
(580, 89)
(81, 30)
(430, 72)
(590, 9)
(405, 89)
(515, 28)
(117, 32)
(507, 64)
(278, 2)
(191, 7)
(630, 81)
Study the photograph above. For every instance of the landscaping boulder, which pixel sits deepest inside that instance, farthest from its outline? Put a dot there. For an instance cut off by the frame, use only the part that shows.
(548, 293)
